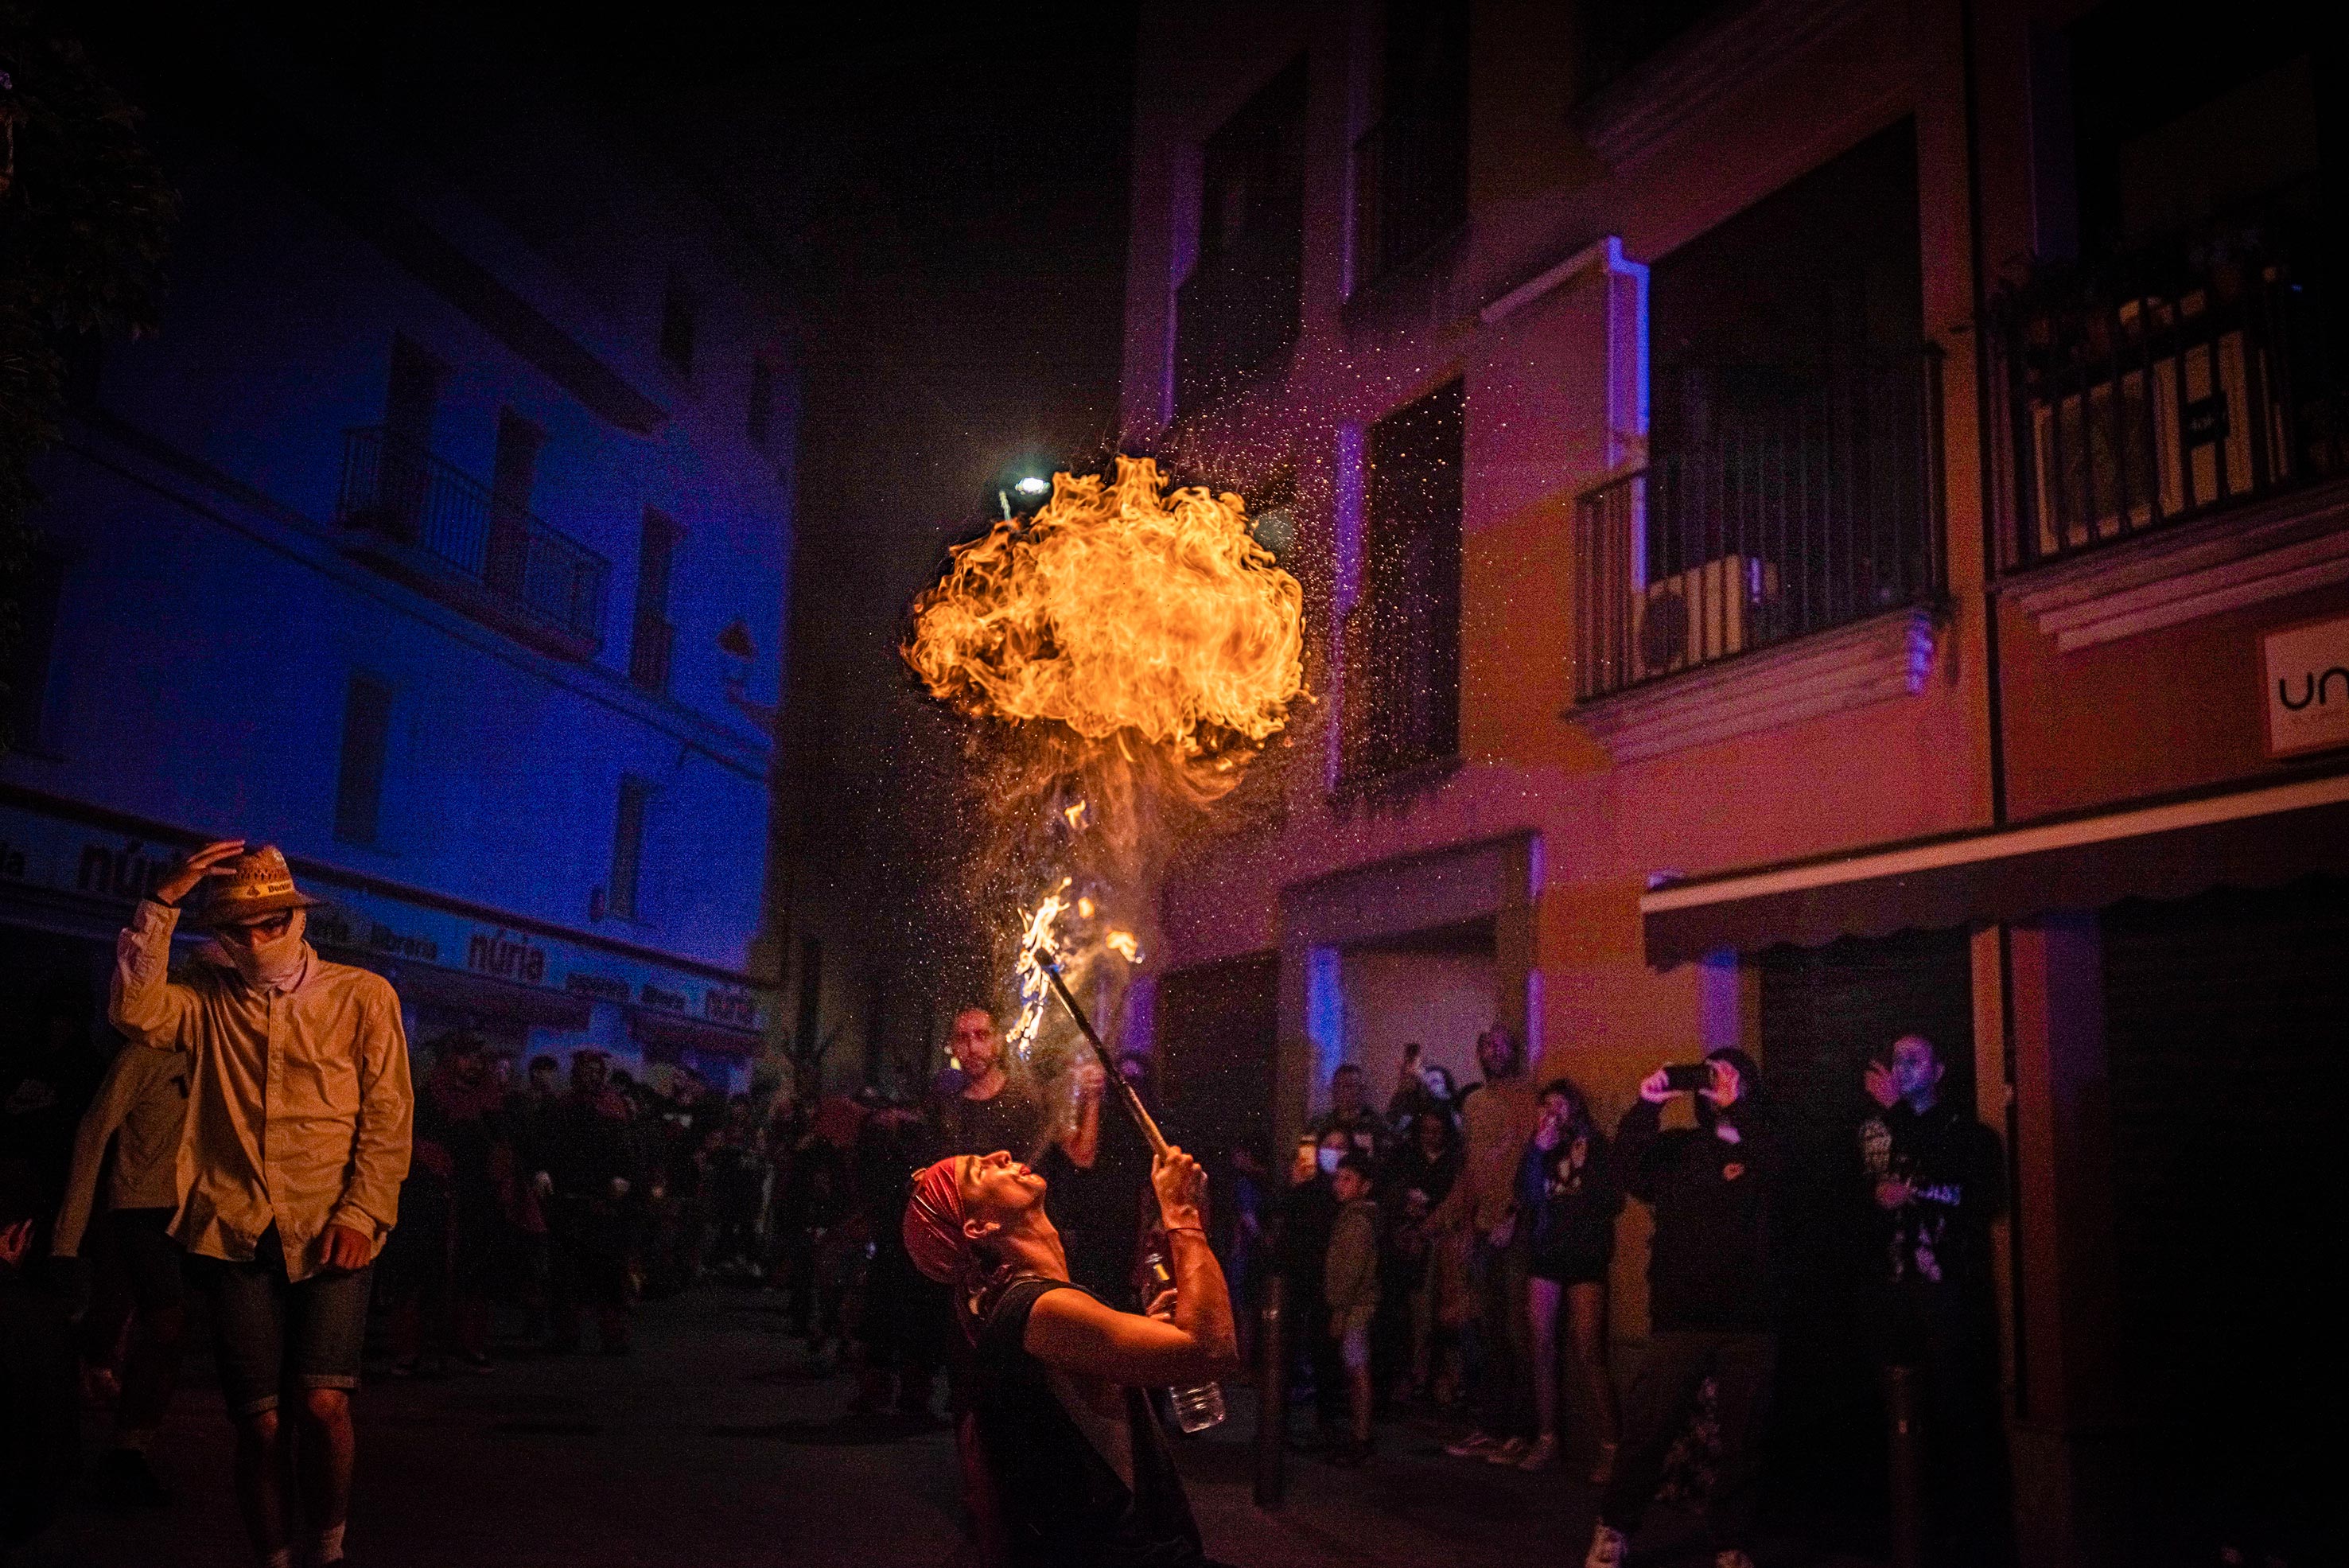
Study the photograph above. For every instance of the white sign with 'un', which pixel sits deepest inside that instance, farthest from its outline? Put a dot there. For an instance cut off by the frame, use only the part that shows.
(2307, 669)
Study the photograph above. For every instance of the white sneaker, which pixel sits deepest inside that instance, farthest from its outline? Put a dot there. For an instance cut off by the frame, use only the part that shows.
(1732, 1560)
(1608, 1548)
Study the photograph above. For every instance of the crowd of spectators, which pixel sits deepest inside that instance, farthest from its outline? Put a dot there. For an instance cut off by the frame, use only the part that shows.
(1454, 1252)
(1449, 1250)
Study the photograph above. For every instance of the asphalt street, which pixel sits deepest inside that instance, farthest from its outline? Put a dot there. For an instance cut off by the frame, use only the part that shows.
(719, 1442)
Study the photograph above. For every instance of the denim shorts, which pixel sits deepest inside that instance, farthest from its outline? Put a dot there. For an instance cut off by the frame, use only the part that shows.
(270, 1333)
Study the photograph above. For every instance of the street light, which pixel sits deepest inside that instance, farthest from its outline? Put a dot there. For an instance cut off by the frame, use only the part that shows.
(1022, 484)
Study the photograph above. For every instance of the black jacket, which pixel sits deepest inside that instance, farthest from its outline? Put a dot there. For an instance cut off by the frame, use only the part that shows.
(1709, 1261)
(1956, 1172)
(1571, 1203)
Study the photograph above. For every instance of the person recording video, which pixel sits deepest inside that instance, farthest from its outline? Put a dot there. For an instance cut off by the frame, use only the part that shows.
(1711, 1293)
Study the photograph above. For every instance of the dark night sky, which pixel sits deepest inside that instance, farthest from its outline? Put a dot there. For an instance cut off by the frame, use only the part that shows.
(951, 199)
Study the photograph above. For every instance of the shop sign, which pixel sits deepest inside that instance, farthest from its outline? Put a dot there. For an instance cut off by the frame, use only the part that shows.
(2307, 691)
(723, 1004)
(115, 870)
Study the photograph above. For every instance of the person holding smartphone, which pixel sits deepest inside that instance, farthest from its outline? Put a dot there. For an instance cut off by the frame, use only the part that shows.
(1711, 1290)
(1567, 1193)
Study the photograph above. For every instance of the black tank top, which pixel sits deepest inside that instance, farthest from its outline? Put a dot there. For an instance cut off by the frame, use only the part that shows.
(1063, 1504)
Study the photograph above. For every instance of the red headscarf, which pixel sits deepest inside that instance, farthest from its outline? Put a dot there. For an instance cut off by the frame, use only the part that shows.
(932, 1223)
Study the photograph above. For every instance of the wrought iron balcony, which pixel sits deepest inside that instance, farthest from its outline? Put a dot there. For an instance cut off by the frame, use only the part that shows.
(417, 518)
(1807, 501)
(2170, 384)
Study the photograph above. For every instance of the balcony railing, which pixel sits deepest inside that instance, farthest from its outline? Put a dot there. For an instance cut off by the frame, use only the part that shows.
(1241, 309)
(450, 531)
(2169, 385)
(1808, 501)
(1410, 191)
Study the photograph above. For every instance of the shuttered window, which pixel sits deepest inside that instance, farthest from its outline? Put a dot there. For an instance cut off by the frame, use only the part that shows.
(367, 744)
(2224, 1017)
(628, 849)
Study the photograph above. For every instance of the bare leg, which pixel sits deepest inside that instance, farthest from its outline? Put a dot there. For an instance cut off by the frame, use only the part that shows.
(1541, 1306)
(329, 1446)
(1586, 1310)
(261, 1480)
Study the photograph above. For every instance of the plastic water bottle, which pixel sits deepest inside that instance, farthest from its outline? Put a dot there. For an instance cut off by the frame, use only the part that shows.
(1195, 1408)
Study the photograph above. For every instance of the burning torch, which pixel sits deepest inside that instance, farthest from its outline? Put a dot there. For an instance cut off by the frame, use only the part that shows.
(1125, 1094)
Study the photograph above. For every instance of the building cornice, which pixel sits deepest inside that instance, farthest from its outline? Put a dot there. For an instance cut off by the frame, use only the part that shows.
(1696, 71)
(2249, 557)
(1874, 661)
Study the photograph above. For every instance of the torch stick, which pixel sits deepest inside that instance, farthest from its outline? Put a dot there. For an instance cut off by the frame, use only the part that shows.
(1126, 1097)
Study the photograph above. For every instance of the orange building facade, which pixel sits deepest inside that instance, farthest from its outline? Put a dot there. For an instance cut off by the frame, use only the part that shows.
(1821, 519)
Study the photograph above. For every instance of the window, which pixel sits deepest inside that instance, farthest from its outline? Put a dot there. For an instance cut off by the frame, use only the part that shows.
(1411, 169)
(654, 637)
(29, 655)
(403, 475)
(679, 314)
(1240, 307)
(367, 744)
(412, 394)
(758, 422)
(507, 566)
(2174, 351)
(1403, 637)
(2192, 121)
(1790, 484)
(628, 850)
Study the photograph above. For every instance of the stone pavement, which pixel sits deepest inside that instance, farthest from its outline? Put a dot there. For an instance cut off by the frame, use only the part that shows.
(718, 1443)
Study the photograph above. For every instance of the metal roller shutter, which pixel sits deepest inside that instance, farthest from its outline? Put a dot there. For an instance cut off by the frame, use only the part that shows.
(2225, 1017)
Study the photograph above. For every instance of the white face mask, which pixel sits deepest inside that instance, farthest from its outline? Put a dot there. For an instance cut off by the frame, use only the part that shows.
(1327, 1159)
(272, 962)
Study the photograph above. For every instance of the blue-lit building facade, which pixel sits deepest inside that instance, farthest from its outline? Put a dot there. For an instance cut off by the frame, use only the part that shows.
(439, 536)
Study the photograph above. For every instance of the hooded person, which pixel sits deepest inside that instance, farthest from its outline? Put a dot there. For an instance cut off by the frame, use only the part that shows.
(1711, 1297)
(1064, 1461)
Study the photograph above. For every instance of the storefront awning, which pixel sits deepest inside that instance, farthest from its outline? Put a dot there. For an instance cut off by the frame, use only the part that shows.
(483, 996)
(672, 1031)
(2256, 837)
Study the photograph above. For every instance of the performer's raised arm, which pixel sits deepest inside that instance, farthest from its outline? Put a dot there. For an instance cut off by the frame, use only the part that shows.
(1188, 1340)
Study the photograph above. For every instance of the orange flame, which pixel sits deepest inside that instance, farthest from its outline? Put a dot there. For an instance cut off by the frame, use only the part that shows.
(1122, 609)
(1038, 946)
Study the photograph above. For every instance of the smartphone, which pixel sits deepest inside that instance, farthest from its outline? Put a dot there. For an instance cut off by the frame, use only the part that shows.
(1688, 1077)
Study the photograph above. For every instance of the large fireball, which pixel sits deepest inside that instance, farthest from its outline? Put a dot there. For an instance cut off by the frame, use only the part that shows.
(1126, 612)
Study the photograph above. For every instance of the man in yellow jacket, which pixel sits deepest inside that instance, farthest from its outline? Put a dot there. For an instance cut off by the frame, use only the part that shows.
(299, 1115)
